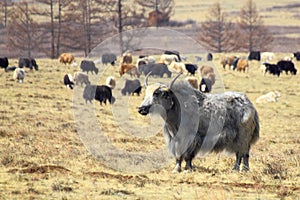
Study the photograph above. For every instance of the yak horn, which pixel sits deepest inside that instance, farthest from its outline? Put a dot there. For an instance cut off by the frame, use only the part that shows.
(146, 79)
(174, 79)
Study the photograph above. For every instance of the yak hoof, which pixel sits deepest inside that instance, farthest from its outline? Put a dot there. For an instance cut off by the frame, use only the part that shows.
(236, 168)
(177, 169)
(245, 168)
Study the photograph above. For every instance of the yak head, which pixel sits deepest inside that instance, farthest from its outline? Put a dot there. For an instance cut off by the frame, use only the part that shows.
(159, 98)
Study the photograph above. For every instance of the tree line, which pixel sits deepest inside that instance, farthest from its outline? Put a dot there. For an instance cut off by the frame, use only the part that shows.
(51, 27)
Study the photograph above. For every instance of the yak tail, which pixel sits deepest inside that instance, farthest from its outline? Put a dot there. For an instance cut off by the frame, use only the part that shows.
(255, 135)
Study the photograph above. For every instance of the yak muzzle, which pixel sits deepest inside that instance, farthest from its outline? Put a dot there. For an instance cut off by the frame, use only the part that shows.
(144, 110)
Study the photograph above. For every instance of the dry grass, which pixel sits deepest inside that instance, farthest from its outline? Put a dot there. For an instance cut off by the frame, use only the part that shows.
(42, 156)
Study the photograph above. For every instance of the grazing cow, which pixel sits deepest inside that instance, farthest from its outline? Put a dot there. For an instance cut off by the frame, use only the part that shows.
(227, 60)
(209, 57)
(29, 63)
(111, 82)
(272, 69)
(68, 81)
(207, 83)
(129, 69)
(4, 63)
(109, 58)
(168, 59)
(143, 60)
(101, 93)
(66, 58)
(191, 68)
(167, 52)
(287, 66)
(126, 58)
(156, 69)
(131, 87)
(205, 70)
(267, 56)
(269, 97)
(242, 65)
(196, 122)
(177, 67)
(254, 55)
(88, 66)
(80, 78)
(297, 55)
(193, 81)
(10, 69)
(19, 75)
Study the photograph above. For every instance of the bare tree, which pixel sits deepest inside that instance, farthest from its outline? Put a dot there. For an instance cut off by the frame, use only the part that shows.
(5, 10)
(23, 34)
(159, 11)
(216, 33)
(253, 34)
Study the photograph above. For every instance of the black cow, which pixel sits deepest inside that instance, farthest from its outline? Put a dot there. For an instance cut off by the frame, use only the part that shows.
(205, 85)
(287, 66)
(191, 68)
(109, 58)
(4, 63)
(101, 93)
(68, 81)
(234, 64)
(254, 55)
(10, 69)
(272, 69)
(29, 63)
(173, 53)
(297, 55)
(156, 69)
(131, 87)
(87, 66)
(209, 57)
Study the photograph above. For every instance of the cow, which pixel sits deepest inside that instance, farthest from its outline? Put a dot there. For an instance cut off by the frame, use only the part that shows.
(173, 52)
(191, 68)
(131, 87)
(29, 63)
(254, 55)
(267, 56)
(130, 69)
(126, 58)
(109, 58)
(242, 65)
(269, 97)
(80, 78)
(177, 67)
(227, 60)
(19, 75)
(197, 122)
(205, 70)
(101, 93)
(287, 66)
(272, 69)
(66, 58)
(207, 82)
(209, 57)
(297, 55)
(111, 82)
(193, 81)
(88, 66)
(156, 69)
(4, 63)
(68, 81)
(168, 59)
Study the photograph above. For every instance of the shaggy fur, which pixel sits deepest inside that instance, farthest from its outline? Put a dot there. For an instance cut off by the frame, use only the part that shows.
(195, 122)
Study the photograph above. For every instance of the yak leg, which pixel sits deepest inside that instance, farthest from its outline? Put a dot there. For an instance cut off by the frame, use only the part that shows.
(237, 162)
(178, 165)
(246, 162)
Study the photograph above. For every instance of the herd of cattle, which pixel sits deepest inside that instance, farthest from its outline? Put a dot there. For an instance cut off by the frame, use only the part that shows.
(168, 63)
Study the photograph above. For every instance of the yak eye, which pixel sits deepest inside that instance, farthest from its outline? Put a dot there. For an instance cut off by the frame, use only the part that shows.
(156, 93)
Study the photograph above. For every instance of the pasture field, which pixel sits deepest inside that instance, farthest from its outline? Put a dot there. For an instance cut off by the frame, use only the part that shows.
(42, 156)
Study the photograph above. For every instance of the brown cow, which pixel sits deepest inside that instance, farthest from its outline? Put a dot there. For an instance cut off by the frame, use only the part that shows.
(66, 58)
(127, 58)
(193, 81)
(130, 69)
(242, 65)
(227, 60)
(206, 70)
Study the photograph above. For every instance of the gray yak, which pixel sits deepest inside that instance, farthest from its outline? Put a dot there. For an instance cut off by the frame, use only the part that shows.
(201, 123)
